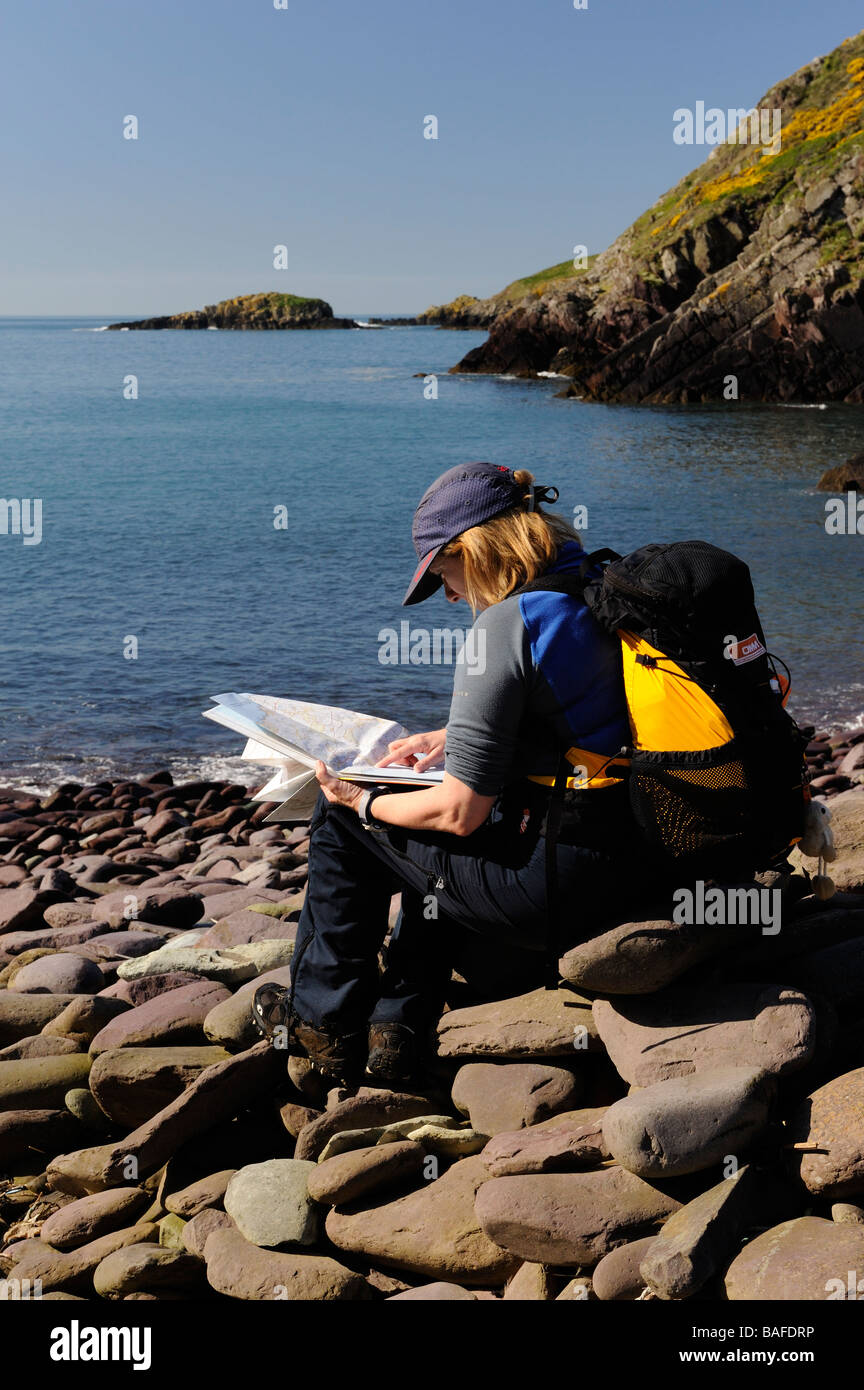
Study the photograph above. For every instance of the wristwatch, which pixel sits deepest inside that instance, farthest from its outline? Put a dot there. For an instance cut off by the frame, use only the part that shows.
(367, 820)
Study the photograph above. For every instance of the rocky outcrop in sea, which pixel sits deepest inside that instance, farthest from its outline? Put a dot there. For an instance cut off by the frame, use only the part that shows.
(743, 282)
(679, 1119)
(266, 311)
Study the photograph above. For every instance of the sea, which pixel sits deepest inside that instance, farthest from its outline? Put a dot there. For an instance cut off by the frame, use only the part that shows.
(231, 511)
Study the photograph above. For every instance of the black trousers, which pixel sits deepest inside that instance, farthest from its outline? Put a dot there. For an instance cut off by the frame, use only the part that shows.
(475, 903)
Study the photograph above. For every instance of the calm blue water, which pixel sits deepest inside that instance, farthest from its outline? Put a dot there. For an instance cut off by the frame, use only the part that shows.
(158, 524)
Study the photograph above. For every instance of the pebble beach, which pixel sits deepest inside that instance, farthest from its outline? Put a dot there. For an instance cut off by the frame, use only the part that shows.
(680, 1119)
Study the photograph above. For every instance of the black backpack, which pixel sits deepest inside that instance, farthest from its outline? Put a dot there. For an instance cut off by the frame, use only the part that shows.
(695, 659)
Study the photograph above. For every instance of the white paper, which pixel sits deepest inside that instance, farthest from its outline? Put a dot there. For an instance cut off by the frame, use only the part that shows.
(308, 732)
(390, 774)
(282, 787)
(292, 735)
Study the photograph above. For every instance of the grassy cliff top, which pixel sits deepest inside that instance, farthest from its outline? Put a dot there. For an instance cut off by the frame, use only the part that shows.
(540, 281)
(822, 123)
(534, 285)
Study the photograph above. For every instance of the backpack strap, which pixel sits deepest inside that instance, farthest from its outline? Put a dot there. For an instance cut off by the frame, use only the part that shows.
(572, 584)
(553, 906)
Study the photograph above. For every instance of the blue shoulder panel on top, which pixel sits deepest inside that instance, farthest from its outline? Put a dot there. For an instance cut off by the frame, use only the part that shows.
(582, 666)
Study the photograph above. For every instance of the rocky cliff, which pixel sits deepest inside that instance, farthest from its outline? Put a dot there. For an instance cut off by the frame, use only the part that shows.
(269, 310)
(749, 268)
(466, 311)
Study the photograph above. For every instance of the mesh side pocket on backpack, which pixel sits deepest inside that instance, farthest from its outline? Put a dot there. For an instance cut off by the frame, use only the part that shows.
(695, 806)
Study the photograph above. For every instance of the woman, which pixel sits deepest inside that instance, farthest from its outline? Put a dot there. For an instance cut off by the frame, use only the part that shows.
(468, 853)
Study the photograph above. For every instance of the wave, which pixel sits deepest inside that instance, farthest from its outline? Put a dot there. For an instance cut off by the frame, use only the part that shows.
(41, 778)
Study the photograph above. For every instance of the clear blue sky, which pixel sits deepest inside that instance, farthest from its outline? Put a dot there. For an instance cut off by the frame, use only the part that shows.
(304, 127)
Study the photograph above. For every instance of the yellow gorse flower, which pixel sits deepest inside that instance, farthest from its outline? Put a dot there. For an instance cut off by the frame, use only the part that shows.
(811, 123)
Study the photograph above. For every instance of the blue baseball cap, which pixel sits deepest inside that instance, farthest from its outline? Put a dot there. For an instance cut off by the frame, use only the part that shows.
(464, 496)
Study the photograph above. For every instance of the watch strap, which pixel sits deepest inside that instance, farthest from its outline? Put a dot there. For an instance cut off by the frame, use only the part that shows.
(367, 819)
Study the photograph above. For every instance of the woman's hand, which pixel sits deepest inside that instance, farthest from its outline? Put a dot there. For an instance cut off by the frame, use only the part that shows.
(336, 791)
(418, 751)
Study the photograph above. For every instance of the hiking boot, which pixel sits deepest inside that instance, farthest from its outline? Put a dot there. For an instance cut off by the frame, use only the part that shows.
(338, 1057)
(271, 1010)
(393, 1052)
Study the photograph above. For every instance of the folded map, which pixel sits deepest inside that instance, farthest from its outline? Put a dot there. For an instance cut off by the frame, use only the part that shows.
(293, 735)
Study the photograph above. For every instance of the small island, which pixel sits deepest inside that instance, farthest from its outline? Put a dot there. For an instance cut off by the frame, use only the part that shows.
(269, 310)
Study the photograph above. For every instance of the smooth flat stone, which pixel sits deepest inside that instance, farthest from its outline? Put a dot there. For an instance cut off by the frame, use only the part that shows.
(805, 1258)
(147, 1266)
(543, 1023)
(699, 1240)
(617, 1278)
(570, 1218)
(174, 905)
(680, 1032)
(270, 1205)
(565, 1143)
(39, 1046)
(210, 965)
(531, 1283)
(501, 1097)
(348, 1140)
(86, 1016)
(198, 1196)
(833, 1118)
(349, 1176)
(245, 926)
(72, 1270)
(40, 1083)
(176, 1017)
(88, 1218)
(689, 1123)
(22, 1015)
(240, 1269)
(643, 956)
(61, 973)
(135, 992)
(202, 1225)
(433, 1231)
(218, 906)
(439, 1292)
(131, 1084)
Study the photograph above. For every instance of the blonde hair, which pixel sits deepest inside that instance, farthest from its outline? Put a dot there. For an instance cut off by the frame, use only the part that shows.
(510, 550)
